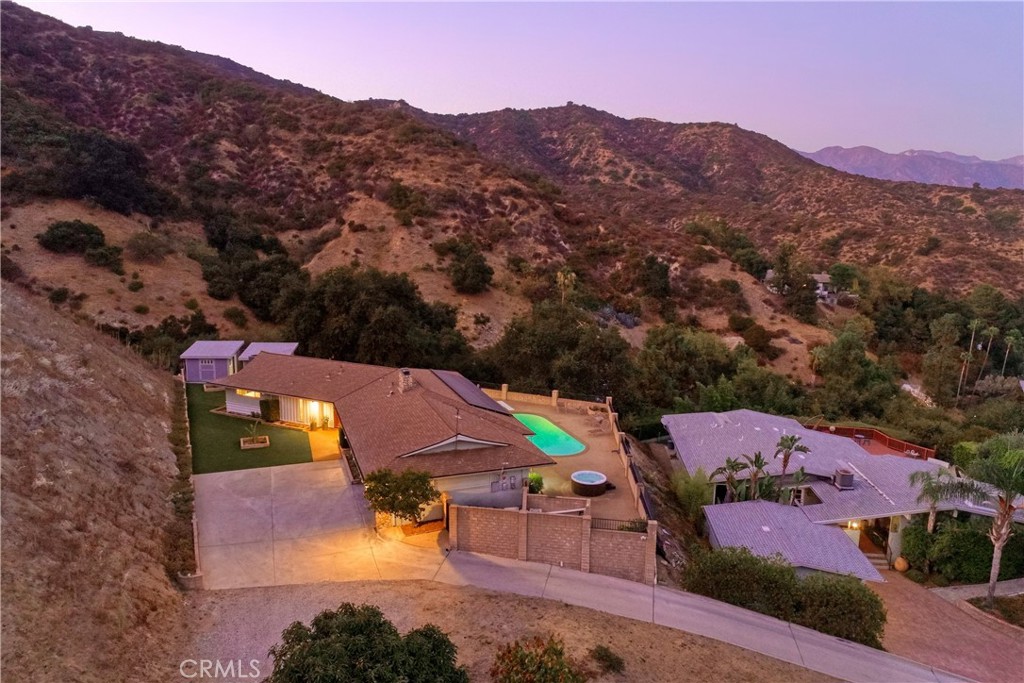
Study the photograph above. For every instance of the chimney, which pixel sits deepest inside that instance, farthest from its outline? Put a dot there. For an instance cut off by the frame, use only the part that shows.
(405, 380)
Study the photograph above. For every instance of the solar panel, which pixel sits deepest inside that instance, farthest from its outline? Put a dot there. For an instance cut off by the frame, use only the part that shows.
(468, 392)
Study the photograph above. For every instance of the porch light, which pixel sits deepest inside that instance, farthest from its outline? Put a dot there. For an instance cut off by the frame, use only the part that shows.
(853, 524)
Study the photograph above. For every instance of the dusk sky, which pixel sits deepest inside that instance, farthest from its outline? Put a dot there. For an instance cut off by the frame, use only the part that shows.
(939, 76)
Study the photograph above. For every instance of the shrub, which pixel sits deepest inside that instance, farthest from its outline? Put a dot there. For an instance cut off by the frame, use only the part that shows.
(536, 661)
(192, 304)
(736, 576)
(59, 295)
(357, 644)
(141, 309)
(608, 660)
(841, 606)
(106, 257)
(9, 270)
(470, 273)
(962, 553)
(915, 575)
(71, 237)
(402, 495)
(147, 247)
(693, 492)
(535, 482)
(917, 544)
(236, 316)
(135, 285)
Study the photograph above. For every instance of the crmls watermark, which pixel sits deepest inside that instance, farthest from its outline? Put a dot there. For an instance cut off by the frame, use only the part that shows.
(220, 669)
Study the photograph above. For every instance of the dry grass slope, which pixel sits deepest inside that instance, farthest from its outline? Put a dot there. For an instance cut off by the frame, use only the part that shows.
(86, 471)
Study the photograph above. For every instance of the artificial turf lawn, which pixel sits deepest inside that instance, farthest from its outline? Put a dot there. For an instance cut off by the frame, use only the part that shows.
(215, 438)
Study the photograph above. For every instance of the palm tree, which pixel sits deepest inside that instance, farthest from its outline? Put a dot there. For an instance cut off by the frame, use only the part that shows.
(729, 470)
(756, 464)
(966, 357)
(996, 481)
(1014, 340)
(991, 331)
(932, 485)
(787, 446)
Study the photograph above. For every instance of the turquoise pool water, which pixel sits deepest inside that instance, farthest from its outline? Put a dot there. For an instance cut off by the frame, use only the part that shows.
(549, 437)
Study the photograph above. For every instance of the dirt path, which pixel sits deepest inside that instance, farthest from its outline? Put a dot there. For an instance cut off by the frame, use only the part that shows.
(244, 624)
(928, 629)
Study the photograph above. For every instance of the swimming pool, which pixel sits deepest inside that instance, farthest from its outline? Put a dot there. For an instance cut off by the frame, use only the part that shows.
(549, 437)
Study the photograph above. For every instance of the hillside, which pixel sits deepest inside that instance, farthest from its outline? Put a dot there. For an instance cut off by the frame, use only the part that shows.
(642, 180)
(922, 166)
(378, 183)
(87, 471)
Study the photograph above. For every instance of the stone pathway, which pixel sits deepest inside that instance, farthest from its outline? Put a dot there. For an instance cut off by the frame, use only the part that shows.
(978, 590)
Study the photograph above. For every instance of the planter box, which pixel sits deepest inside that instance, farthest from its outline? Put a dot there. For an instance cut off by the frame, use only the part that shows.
(248, 442)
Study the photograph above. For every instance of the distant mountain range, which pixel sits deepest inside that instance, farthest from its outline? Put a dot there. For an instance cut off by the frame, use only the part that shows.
(924, 166)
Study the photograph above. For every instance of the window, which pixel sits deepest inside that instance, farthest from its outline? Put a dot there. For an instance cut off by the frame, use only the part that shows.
(206, 362)
(247, 393)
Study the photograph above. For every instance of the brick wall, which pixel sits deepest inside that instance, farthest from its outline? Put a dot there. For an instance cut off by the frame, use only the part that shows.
(486, 530)
(561, 540)
(556, 539)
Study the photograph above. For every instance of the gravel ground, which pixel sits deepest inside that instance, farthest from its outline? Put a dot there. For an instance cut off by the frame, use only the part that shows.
(243, 625)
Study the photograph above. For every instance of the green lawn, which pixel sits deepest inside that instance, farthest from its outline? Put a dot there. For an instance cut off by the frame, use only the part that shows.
(215, 446)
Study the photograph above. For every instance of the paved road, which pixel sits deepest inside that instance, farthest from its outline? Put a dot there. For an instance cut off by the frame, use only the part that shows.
(303, 523)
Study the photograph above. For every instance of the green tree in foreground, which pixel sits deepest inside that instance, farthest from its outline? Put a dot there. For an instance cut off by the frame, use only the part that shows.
(402, 495)
(997, 482)
(357, 644)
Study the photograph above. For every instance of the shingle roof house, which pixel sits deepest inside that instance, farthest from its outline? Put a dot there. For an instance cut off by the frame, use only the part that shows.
(429, 420)
(205, 361)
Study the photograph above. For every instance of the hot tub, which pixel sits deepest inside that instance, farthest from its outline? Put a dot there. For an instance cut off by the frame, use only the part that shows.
(588, 483)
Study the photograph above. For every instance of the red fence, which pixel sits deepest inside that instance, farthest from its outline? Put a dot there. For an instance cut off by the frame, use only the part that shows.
(865, 434)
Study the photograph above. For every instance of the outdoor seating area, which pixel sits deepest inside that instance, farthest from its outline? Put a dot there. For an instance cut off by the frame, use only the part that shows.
(592, 428)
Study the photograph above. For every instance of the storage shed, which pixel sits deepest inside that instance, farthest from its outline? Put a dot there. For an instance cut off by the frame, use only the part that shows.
(207, 360)
(280, 348)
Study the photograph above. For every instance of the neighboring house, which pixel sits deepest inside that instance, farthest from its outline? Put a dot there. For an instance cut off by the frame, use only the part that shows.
(845, 486)
(401, 419)
(822, 284)
(280, 348)
(769, 529)
(206, 361)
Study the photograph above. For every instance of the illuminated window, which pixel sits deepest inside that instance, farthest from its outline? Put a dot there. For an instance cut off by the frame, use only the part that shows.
(247, 394)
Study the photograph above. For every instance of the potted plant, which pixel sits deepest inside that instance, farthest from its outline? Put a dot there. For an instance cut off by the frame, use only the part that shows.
(255, 439)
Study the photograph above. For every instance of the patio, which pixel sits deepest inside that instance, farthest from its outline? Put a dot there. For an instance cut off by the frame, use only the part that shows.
(215, 438)
(600, 455)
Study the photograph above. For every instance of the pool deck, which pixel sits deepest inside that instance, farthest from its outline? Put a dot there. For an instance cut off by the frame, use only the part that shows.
(600, 455)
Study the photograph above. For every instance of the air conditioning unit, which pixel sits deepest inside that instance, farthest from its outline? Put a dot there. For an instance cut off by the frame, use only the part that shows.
(843, 479)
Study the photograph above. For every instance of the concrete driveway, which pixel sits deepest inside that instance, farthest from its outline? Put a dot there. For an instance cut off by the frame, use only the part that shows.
(282, 525)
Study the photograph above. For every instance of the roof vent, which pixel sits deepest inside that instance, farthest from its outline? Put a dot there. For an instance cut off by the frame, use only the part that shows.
(843, 479)
(405, 380)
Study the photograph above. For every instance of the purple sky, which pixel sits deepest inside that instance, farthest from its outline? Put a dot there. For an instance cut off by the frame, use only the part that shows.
(940, 76)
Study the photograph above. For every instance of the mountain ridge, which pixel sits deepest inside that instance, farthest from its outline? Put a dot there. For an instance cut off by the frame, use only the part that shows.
(923, 166)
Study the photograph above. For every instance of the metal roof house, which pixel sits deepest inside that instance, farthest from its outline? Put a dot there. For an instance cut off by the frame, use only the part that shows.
(208, 360)
(280, 348)
(767, 529)
(844, 485)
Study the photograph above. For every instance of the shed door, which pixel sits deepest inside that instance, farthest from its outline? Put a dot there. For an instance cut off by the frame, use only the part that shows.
(207, 371)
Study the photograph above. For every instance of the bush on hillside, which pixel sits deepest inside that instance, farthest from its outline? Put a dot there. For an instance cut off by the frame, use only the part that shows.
(536, 661)
(917, 545)
(236, 316)
(147, 247)
(693, 492)
(108, 257)
(841, 606)
(71, 237)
